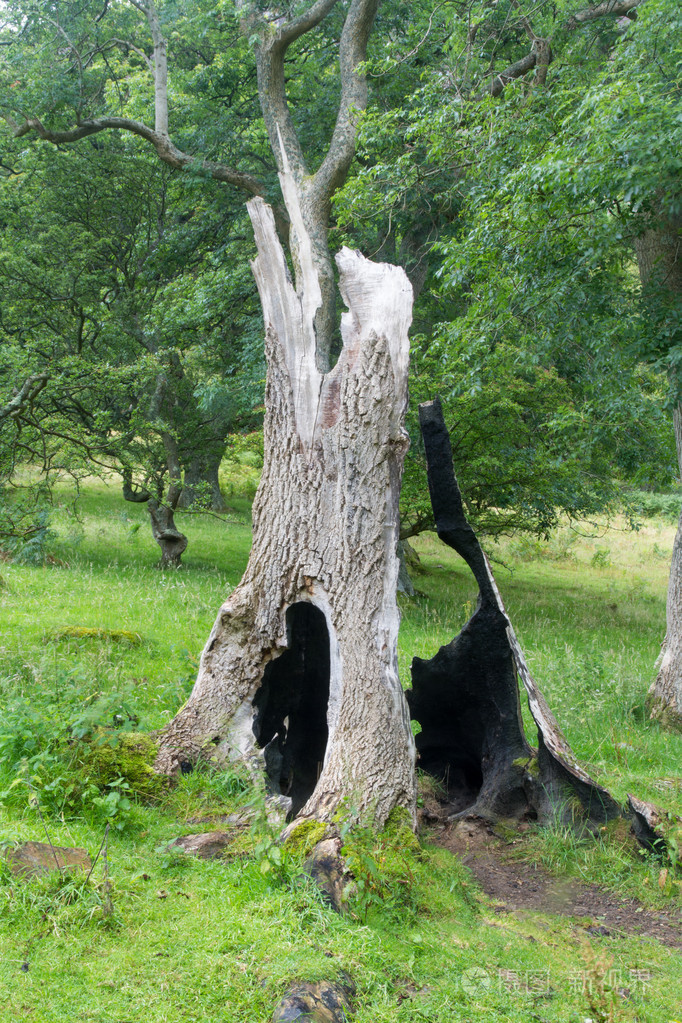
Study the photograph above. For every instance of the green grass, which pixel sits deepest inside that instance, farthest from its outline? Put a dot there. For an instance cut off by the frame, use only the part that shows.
(219, 941)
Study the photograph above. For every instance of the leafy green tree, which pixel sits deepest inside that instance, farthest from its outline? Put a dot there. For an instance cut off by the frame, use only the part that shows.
(570, 216)
(530, 279)
(116, 280)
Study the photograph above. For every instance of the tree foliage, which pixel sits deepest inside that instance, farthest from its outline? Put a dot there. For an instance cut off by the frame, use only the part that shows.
(539, 333)
(511, 156)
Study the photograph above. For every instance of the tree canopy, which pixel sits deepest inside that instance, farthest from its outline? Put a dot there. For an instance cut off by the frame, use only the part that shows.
(511, 155)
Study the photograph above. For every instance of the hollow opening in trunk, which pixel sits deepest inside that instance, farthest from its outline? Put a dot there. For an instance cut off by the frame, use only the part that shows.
(465, 700)
(290, 722)
(457, 766)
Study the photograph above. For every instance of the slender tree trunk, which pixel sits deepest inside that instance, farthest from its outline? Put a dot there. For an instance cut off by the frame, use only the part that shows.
(659, 255)
(301, 664)
(172, 542)
(665, 695)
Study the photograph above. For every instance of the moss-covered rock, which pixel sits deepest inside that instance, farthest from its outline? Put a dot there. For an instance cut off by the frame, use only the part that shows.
(304, 837)
(107, 756)
(84, 632)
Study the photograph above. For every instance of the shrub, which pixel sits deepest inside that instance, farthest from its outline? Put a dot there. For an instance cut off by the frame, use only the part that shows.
(75, 762)
(649, 505)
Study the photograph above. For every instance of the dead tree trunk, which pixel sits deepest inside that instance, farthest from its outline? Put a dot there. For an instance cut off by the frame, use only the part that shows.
(466, 698)
(302, 660)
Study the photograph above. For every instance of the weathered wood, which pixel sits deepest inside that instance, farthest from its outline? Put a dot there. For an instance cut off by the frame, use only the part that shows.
(325, 531)
(209, 845)
(466, 697)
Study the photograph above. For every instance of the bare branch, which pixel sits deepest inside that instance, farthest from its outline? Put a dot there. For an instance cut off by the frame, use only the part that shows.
(293, 30)
(352, 54)
(270, 53)
(615, 7)
(160, 70)
(516, 70)
(131, 46)
(71, 44)
(528, 28)
(165, 149)
(24, 397)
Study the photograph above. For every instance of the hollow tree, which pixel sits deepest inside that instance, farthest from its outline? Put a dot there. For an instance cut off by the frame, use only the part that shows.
(302, 660)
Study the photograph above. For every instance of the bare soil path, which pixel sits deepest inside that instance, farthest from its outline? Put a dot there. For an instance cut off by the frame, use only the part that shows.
(521, 887)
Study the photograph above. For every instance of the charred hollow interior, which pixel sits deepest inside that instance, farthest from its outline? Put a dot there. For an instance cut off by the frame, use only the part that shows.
(290, 722)
(466, 700)
(450, 744)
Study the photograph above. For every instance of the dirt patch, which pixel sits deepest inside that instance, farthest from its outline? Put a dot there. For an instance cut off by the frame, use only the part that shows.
(523, 888)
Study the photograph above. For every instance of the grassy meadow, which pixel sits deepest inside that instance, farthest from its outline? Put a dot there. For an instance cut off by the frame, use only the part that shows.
(158, 937)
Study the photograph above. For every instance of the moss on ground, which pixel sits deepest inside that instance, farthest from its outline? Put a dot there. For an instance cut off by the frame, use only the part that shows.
(104, 757)
(84, 632)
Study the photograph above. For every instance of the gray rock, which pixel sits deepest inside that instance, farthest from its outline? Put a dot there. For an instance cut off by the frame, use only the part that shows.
(316, 1003)
(209, 845)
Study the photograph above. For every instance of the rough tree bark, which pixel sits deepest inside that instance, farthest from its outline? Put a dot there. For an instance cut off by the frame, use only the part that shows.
(466, 698)
(302, 660)
(659, 257)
